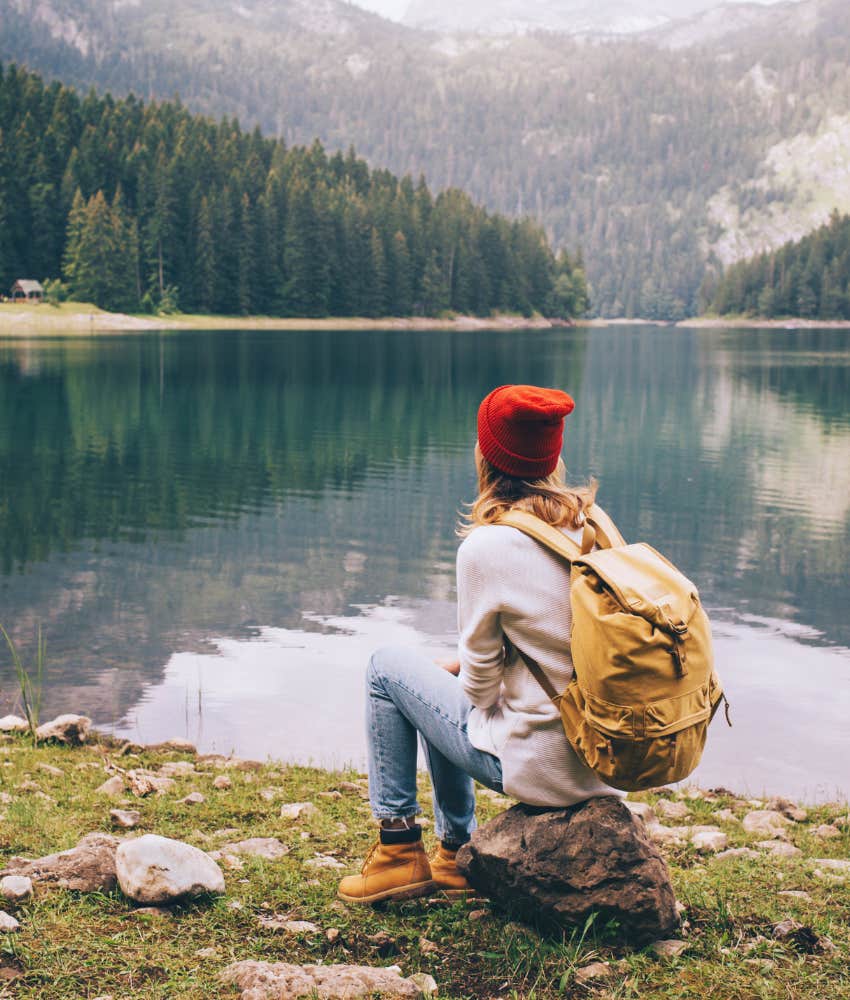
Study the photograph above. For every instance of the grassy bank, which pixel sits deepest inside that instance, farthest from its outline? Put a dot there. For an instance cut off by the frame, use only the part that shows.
(75, 318)
(92, 945)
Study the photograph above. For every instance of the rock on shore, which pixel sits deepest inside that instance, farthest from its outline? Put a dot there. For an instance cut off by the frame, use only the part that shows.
(562, 865)
(155, 870)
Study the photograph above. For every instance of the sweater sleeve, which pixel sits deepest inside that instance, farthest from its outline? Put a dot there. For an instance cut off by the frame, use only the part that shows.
(481, 642)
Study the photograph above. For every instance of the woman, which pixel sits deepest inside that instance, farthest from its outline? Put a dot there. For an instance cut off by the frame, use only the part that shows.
(483, 718)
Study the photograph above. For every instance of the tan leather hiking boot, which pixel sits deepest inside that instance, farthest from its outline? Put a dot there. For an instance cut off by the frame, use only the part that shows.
(445, 873)
(390, 871)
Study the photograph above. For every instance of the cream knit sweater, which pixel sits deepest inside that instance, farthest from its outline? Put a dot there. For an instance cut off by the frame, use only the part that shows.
(509, 584)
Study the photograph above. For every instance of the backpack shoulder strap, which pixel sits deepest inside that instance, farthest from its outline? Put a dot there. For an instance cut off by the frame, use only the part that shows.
(535, 669)
(542, 532)
(607, 533)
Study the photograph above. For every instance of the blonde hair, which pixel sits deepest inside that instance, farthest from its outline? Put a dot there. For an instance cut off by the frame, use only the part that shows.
(550, 498)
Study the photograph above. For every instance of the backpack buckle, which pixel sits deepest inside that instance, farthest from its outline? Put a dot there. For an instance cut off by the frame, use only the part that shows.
(679, 655)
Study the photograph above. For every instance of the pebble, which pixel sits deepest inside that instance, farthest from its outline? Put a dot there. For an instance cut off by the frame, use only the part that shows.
(8, 924)
(269, 794)
(222, 782)
(127, 819)
(671, 810)
(278, 923)
(594, 972)
(779, 848)
(269, 848)
(16, 888)
(192, 799)
(710, 842)
(725, 816)
(56, 772)
(427, 947)
(669, 949)
(206, 953)
(330, 795)
(332, 934)
(826, 831)
(176, 769)
(295, 810)
(766, 821)
(835, 864)
(643, 810)
(737, 852)
(323, 861)
(788, 809)
(479, 914)
(794, 894)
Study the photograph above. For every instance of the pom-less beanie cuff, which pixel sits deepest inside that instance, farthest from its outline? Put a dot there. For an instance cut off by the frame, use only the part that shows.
(521, 429)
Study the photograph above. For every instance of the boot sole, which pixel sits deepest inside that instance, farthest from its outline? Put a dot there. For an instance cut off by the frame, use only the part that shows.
(415, 891)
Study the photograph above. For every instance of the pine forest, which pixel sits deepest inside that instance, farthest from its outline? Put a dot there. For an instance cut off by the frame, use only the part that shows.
(147, 206)
(808, 278)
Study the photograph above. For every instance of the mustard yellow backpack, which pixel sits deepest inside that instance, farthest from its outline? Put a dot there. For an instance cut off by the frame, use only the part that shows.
(644, 691)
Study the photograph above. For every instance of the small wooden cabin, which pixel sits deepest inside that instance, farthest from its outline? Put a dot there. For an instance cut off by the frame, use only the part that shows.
(25, 290)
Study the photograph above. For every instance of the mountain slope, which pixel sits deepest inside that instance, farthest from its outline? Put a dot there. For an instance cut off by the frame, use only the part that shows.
(620, 148)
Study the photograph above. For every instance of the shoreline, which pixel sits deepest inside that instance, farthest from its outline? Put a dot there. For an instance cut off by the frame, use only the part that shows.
(77, 319)
(73, 319)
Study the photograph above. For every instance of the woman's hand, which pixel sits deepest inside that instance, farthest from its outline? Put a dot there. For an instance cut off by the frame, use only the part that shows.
(450, 666)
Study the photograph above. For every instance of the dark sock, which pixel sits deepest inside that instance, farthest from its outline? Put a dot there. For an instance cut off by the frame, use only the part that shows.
(449, 846)
(404, 835)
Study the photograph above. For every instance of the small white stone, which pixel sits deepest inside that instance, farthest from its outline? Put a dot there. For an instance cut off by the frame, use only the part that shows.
(671, 810)
(13, 724)
(710, 842)
(8, 924)
(127, 819)
(112, 787)
(427, 984)
(222, 782)
(779, 848)
(669, 948)
(192, 799)
(330, 795)
(276, 923)
(766, 821)
(725, 816)
(794, 894)
(323, 861)
(269, 848)
(826, 831)
(16, 888)
(737, 852)
(297, 810)
(55, 772)
(69, 729)
(644, 811)
(840, 865)
(176, 769)
(593, 972)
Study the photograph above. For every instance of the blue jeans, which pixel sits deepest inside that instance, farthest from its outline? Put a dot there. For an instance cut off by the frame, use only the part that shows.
(407, 695)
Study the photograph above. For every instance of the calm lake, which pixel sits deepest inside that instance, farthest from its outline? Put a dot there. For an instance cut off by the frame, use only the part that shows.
(215, 529)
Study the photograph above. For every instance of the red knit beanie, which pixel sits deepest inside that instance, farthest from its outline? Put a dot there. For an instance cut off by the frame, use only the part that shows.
(521, 429)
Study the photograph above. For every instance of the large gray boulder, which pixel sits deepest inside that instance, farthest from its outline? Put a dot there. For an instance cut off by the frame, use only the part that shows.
(559, 866)
(88, 867)
(155, 870)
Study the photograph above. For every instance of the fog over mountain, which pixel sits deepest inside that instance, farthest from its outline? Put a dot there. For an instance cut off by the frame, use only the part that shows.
(618, 17)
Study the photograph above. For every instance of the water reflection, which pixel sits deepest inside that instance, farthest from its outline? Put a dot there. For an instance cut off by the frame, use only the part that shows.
(160, 491)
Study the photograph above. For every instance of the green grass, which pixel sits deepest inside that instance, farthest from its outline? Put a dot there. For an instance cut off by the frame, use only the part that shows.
(87, 945)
